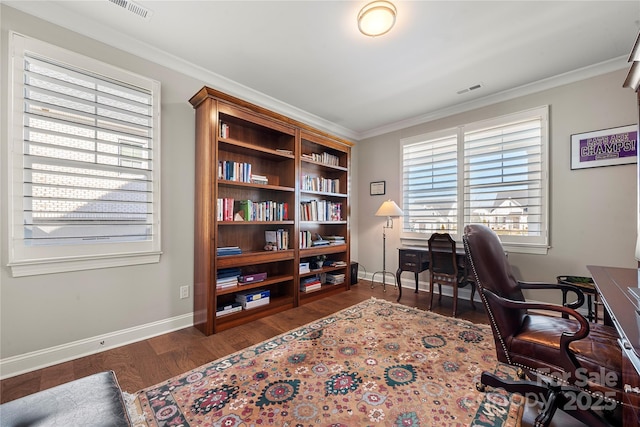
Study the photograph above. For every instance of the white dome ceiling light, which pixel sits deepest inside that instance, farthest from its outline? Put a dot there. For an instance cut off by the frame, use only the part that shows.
(377, 18)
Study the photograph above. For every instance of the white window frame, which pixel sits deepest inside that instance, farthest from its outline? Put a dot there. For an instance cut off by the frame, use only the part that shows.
(517, 244)
(26, 260)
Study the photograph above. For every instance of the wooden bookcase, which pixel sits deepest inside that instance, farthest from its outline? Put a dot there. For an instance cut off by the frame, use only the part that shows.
(302, 169)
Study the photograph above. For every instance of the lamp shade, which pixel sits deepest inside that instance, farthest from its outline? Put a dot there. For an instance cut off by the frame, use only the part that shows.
(376, 18)
(389, 208)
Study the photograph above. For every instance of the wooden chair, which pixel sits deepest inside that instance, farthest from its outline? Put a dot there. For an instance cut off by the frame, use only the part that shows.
(444, 268)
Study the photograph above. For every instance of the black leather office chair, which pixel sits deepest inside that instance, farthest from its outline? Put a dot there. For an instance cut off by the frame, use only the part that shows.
(572, 364)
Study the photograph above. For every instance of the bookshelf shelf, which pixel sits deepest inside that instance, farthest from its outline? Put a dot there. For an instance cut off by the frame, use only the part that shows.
(250, 165)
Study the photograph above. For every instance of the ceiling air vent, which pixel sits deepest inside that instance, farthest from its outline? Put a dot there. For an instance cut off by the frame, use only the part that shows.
(133, 7)
(469, 89)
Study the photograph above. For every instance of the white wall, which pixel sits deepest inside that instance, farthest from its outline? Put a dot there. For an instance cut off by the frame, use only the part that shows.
(55, 316)
(50, 318)
(45, 319)
(593, 211)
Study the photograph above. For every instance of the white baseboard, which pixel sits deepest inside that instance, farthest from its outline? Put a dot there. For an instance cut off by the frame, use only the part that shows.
(16, 365)
(409, 285)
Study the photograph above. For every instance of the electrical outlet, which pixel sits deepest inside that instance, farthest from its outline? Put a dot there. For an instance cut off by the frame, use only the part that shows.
(184, 292)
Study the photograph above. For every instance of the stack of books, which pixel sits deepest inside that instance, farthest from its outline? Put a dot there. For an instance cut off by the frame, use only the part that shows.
(320, 242)
(227, 278)
(335, 278)
(228, 309)
(253, 299)
(228, 250)
(335, 264)
(335, 240)
(310, 284)
(259, 179)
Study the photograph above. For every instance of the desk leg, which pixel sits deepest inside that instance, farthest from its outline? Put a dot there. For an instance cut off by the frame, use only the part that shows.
(398, 273)
(416, 291)
(631, 381)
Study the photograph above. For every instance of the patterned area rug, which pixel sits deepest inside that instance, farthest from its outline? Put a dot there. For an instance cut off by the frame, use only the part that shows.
(375, 363)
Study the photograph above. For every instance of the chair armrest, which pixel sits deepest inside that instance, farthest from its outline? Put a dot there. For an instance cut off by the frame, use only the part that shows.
(564, 287)
(568, 362)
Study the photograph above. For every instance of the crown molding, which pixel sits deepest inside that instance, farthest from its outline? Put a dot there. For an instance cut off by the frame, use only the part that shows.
(584, 73)
(54, 13)
(51, 12)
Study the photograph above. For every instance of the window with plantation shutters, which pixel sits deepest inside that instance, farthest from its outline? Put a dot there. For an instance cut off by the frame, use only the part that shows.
(85, 147)
(430, 184)
(491, 172)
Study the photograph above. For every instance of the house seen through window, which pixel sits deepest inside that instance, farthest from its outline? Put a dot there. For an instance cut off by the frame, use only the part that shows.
(491, 172)
(87, 151)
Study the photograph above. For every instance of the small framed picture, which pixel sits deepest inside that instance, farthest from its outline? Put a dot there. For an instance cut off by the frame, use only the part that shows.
(607, 147)
(377, 188)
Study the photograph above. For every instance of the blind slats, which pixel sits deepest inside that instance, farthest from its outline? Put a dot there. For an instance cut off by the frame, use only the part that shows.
(501, 179)
(87, 157)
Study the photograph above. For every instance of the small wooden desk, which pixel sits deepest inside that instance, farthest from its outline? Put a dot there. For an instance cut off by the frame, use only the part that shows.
(612, 284)
(416, 259)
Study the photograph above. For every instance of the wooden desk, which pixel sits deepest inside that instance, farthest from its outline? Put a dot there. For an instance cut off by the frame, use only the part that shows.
(416, 259)
(612, 284)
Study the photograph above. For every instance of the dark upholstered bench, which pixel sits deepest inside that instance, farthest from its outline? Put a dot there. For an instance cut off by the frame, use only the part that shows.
(95, 400)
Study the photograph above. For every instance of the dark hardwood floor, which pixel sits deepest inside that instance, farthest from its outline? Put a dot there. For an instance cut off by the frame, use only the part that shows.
(154, 360)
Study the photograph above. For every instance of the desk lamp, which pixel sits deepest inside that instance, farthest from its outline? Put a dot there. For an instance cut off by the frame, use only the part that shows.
(390, 210)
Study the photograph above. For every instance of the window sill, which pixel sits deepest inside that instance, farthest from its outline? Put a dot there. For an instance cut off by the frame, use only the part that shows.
(33, 268)
(508, 247)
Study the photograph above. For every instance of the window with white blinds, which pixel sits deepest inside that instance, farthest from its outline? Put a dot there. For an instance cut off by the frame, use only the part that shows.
(86, 151)
(430, 185)
(491, 172)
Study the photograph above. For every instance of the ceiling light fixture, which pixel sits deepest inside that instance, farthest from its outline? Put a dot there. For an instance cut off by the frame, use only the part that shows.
(377, 18)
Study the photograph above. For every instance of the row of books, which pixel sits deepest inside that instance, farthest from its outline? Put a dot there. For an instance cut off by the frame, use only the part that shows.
(277, 240)
(305, 239)
(234, 171)
(326, 158)
(318, 183)
(248, 210)
(268, 210)
(320, 210)
(224, 209)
